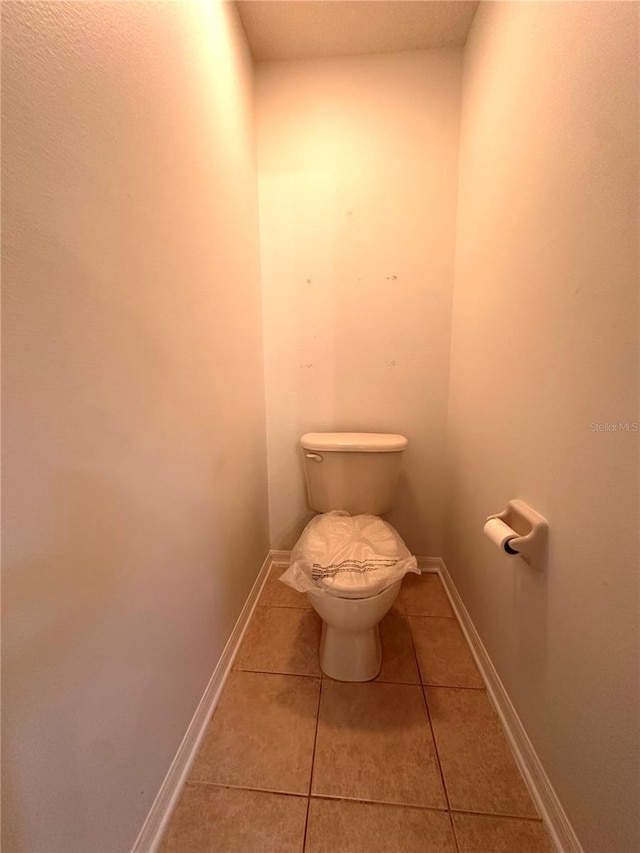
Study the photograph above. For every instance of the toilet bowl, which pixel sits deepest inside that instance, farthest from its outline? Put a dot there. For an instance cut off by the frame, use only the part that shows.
(350, 648)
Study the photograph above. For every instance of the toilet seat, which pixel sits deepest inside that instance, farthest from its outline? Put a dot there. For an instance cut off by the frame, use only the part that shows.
(363, 592)
(354, 557)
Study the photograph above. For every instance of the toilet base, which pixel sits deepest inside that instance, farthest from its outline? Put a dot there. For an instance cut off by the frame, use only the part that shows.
(350, 647)
(350, 655)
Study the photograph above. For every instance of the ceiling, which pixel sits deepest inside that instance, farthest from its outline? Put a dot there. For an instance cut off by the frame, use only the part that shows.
(305, 29)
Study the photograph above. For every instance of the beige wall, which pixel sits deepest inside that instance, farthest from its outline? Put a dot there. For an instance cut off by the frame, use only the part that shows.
(357, 163)
(135, 503)
(545, 343)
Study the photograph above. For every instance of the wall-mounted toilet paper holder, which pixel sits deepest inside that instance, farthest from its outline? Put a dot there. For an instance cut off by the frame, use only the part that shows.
(530, 531)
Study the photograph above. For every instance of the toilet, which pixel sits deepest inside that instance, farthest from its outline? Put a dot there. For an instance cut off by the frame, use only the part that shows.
(357, 473)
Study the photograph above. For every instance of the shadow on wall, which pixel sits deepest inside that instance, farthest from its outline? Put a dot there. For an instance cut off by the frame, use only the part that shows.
(406, 515)
(77, 568)
(289, 535)
(285, 537)
(50, 609)
(530, 602)
(12, 836)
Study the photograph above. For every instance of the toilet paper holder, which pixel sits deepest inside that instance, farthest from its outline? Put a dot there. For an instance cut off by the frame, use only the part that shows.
(531, 531)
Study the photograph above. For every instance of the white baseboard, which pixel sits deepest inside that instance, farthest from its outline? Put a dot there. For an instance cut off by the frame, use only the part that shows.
(154, 827)
(280, 558)
(553, 815)
(429, 564)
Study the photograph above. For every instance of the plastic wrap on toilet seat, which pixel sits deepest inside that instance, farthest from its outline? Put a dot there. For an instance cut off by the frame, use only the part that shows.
(352, 556)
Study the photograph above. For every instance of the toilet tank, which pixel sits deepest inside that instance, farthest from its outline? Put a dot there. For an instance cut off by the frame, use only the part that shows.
(353, 471)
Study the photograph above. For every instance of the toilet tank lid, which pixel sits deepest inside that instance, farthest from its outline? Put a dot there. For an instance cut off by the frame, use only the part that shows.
(363, 442)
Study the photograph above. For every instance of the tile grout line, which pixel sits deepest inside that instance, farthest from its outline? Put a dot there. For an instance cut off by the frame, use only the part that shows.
(435, 748)
(456, 843)
(497, 815)
(433, 737)
(230, 786)
(395, 805)
(313, 761)
(454, 834)
(384, 803)
(431, 616)
(391, 803)
(377, 680)
(440, 770)
(279, 672)
(426, 708)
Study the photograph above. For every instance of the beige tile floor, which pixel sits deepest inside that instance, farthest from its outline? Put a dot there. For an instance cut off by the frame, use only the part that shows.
(413, 762)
